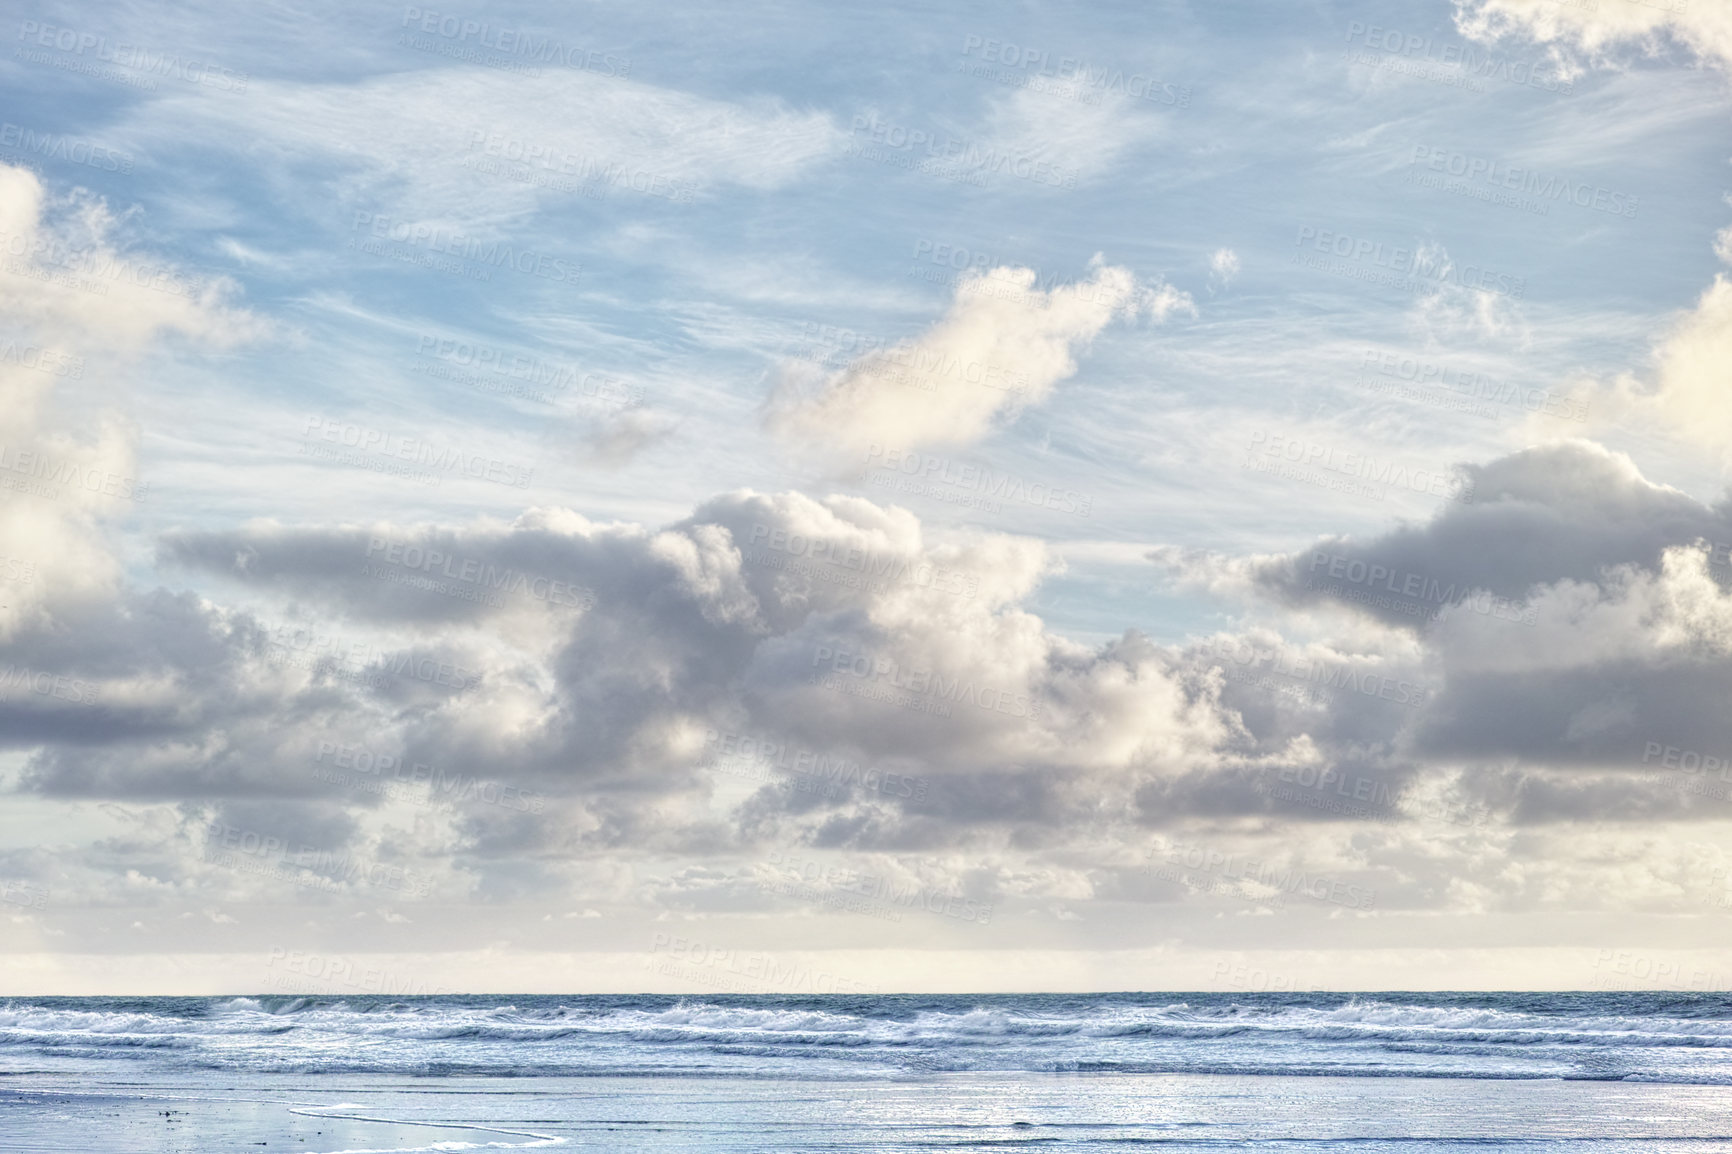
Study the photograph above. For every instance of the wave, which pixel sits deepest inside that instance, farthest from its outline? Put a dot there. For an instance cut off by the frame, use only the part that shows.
(1577, 1037)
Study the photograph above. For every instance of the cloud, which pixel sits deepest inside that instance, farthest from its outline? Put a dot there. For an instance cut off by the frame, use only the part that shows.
(82, 306)
(1598, 30)
(73, 277)
(1079, 136)
(848, 630)
(1569, 614)
(1450, 311)
(1223, 269)
(617, 438)
(814, 620)
(1693, 375)
(600, 662)
(1686, 391)
(1570, 511)
(591, 663)
(1004, 344)
(479, 146)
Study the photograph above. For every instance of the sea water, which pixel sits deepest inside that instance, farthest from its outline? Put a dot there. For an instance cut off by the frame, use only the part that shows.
(1363, 1072)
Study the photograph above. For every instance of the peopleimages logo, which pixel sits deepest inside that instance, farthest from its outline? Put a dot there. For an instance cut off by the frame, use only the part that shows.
(71, 40)
(821, 878)
(1240, 867)
(530, 162)
(1504, 177)
(94, 262)
(1416, 268)
(483, 574)
(306, 972)
(742, 972)
(879, 571)
(1464, 59)
(975, 159)
(766, 756)
(19, 893)
(37, 465)
(925, 683)
(402, 452)
(972, 271)
(1268, 451)
(551, 376)
(1624, 970)
(1416, 587)
(513, 42)
(74, 690)
(450, 242)
(1327, 674)
(1240, 976)
(1424, 373)
(362, 662)
(306, 866)
(70, 149)
(1137, 85)
(1687, 760)
(932, 469)
(44, 360)
(441, 786)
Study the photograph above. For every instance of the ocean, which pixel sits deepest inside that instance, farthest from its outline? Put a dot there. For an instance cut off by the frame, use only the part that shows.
(1600, 1071)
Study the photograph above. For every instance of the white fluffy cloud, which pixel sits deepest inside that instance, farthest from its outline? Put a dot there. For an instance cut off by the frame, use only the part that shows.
(1597, 30)
(1690, 391)
(835, 623)
(1694, 377)
(1004, 345)
(80, 307)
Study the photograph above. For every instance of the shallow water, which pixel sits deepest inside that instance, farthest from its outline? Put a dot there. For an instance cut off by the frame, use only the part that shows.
(1602, 1071)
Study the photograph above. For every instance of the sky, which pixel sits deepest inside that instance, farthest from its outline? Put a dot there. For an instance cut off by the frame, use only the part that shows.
(783, 499)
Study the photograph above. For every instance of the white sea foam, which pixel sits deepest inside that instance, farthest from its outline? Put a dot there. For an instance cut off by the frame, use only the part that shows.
(1566, 1036)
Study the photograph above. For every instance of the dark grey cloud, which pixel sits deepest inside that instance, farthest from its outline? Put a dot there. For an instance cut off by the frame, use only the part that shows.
(1573, 615)
(1603, 715)
(1565, 512)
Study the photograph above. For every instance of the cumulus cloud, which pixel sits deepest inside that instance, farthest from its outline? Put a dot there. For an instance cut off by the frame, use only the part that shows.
(1598, 31)
(817, 621)
(618, 666)
(1686, 390)
(81, 305)
(73, 276)
(610, 656)
(595, 665)
(1004, 345)
(1571, 613)
(611, 670)
(1693, 373)
(1569, 511)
